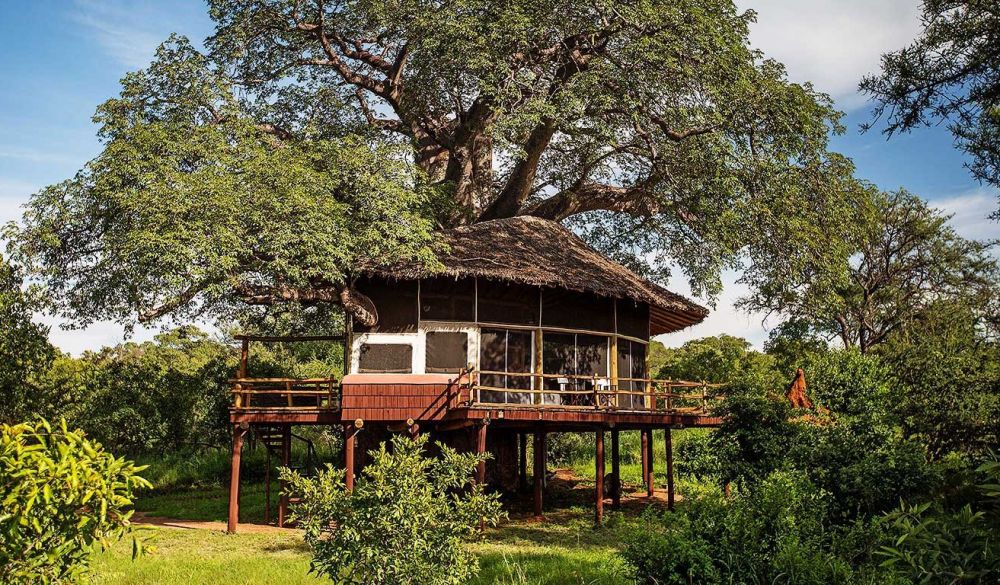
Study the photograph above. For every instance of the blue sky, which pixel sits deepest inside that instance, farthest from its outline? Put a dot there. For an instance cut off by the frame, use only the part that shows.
(59, 59)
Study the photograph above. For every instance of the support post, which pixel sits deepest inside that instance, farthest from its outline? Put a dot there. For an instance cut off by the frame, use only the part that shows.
(349, 434)
(480, 450)
(644, 448)
(522, 461)
(239, 432)
(650, 469)
(616, 477)
(668, 440)
(286, 460)
(599, 477)
(267, 486)
(539, 470)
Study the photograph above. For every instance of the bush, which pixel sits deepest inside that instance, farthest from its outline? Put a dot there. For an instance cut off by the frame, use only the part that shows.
(404, 522)
(930, 543)
(59, 494)
(776, 533)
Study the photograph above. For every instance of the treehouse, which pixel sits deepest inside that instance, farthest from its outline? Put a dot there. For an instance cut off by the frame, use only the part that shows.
(526, 330)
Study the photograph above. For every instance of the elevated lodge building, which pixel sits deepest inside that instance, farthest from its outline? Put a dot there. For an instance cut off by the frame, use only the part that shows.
(528, 330)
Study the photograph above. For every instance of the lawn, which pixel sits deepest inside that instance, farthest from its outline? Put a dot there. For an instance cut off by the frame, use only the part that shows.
(565, 549)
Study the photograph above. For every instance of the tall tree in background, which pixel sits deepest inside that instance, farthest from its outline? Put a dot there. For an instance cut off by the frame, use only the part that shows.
(25, 352)
(904, 258)
(951, 72)
(318, 134)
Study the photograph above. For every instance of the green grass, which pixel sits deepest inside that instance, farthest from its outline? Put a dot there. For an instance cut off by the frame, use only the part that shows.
(207, 557)
(565, 549)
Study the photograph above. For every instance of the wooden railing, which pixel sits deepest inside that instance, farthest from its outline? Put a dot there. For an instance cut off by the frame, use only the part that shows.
(631, 394)
(286, 393)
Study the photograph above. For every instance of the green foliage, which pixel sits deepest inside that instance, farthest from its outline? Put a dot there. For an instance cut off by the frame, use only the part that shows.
(948, 73)
(851, 384)
(190, 210)
(930, 543)
(775, 533)
(792, 344)
(948, 395)
(903, 257)
(669, 553)
(722, 358)
(756, 434)
(59, 494)
(160, 395)
(404, 522)
(25, 352)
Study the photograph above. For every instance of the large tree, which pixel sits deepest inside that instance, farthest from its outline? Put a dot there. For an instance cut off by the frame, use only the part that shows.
(950, 72)
(904, 258)
(313, 135)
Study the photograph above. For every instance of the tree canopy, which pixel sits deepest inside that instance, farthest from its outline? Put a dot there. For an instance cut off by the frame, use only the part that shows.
(310, 134)
(903, 258)
(951, 72)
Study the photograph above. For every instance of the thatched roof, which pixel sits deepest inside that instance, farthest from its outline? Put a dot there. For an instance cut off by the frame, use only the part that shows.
(539, 252)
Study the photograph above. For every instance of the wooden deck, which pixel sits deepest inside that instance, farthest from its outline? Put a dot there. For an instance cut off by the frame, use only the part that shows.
(443, 398)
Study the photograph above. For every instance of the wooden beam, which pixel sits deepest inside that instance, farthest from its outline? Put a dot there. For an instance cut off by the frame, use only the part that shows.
(539, 470)
(454, 425)
(239, 432)
(668, 440)
(288, 338)
(286, 460)
(616, 477)
(599, 477)
(522, 461)
(350, 432)
(644, 448)
(267, 486)
(481, 450)
(650, 470)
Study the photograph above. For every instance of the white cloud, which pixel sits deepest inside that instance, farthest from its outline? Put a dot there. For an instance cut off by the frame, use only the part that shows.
(129, 32)
(724, 318)
(970, 213)
(832, 43)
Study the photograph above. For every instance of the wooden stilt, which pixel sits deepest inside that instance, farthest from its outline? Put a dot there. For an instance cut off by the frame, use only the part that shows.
(480, 450)
(616, 477)
(650, 469)
(644, 441)
(239, 432)
(539, 471)
(349, 434)
(286, 460)
(599, 478)
(267, 486)
(668, 440)
(522, 461)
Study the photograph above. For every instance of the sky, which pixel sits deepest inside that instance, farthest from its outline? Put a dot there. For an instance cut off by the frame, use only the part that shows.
(59, 59)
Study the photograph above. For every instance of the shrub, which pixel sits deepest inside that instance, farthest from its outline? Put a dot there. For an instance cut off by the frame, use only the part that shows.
(59, 494)
(670, 553)
(404, 522)
(930, 543)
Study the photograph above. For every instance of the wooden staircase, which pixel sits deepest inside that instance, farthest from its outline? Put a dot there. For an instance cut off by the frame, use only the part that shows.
(277, 441)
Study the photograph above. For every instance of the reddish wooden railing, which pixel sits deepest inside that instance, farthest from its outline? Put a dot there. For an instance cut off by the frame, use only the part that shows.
(286, 393)
(658, 395)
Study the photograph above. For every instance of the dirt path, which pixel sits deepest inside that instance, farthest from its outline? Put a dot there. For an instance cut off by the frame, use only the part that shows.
(140, 518)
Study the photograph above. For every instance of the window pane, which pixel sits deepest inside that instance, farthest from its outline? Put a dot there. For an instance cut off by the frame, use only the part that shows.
(519, 345)
(395, 302)
(385, 358)
(447, 351)
(626, 401)
(492, 357)
(558, 357)
(501, 302)
(638, 364)
(573, 310)
(447, 299)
